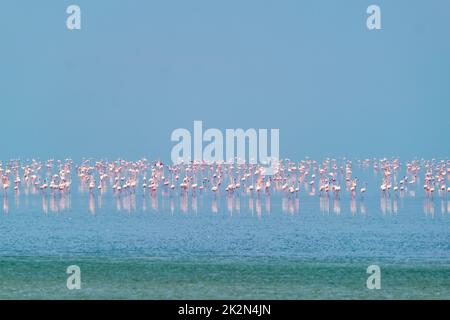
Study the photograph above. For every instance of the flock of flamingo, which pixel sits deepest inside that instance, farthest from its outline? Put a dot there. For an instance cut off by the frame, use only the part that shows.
(330, 178)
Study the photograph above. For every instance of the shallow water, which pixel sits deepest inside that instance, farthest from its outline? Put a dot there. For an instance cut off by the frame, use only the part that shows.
(219, 247)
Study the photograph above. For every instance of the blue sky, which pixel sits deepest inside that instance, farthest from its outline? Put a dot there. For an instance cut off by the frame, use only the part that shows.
(139, 69)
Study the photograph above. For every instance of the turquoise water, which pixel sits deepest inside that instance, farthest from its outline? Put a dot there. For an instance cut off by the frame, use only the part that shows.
(219, 247)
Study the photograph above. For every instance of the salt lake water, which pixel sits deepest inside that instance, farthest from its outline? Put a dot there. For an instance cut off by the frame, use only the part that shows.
(215, 246)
